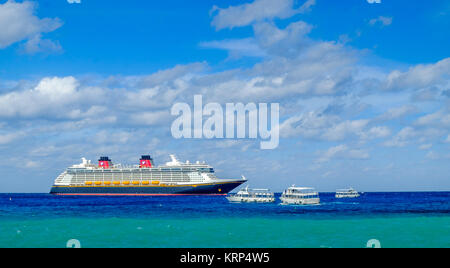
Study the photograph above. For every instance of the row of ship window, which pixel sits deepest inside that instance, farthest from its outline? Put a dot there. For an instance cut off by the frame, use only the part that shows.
(137, 175)
(139, 178)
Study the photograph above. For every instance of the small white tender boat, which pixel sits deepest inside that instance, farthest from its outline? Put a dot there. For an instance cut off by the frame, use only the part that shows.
(347, 193)
(252, 196)
(300, 196)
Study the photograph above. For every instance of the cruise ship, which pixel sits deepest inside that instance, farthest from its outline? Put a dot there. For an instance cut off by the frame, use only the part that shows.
(173, 178)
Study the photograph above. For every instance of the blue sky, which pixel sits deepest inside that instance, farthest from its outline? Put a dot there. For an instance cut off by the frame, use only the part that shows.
(364, 88)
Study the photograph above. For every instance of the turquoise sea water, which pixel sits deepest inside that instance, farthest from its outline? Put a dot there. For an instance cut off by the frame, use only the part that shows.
(394, 219)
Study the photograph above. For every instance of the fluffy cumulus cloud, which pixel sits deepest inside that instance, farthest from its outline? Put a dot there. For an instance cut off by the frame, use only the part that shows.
(49, 97)
(64, 98)
(19, 22)
(74, 1)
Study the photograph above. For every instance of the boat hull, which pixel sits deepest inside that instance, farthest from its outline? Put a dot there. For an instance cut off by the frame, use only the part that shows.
(300, 201)
(199, 189)
(234, 199)
(340, 196)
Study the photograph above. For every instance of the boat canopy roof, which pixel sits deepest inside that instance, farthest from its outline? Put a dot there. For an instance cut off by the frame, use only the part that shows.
(301, 188)
(345, 190)
(248, 190)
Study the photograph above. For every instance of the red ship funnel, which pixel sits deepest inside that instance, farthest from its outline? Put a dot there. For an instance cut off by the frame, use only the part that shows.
(146, 161)
(104, 162)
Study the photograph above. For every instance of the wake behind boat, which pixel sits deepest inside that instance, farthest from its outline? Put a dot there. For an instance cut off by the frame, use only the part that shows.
(173, 178)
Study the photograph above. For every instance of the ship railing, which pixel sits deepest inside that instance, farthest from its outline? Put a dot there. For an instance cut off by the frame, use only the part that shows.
(122, 166)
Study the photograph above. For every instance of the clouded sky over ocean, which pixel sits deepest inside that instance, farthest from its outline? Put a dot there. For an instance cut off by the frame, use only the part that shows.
(363, 87)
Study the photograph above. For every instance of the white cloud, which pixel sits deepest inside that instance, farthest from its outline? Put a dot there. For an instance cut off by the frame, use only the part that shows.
(79, 105)
(9, 137)
(332, 152)
(150, 118)
(376, 133)
(116, 137)
(343, 130)
(432, 155)
(285, 42)
(374, 1)
(398, 112)
(425, 146)
(402, 138)
(322, 70)
(150, 98)
(31, 164)
(439, 119)
(18, 22)
(224, 144)
(384, 21)
(268, 40)
(38, 45)
(343, 151)
(308, 125)
(319, 126)
(246, 14)
(51, 97)
(74, 1)
(57, 89)
(358, 154)
(237, 48)
(420, 76)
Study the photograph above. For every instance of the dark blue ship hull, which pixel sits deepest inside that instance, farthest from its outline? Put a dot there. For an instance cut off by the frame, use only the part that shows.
(199, 189)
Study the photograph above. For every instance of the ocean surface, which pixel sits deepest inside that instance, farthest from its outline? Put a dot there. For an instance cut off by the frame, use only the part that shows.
(388, 219)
